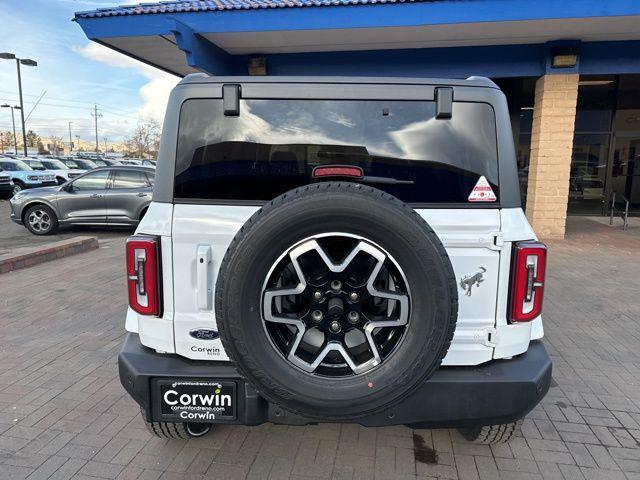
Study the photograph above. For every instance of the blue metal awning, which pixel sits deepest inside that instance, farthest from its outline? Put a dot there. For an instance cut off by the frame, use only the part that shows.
(456, 38)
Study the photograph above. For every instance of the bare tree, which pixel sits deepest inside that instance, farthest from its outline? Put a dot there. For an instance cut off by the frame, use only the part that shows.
(7, 139)
(56, 145)
(145, 140)
(32, 139)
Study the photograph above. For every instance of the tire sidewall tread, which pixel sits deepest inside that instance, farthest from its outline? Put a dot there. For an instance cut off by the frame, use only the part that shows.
(54, 219)
(491, 434)
(232, 335)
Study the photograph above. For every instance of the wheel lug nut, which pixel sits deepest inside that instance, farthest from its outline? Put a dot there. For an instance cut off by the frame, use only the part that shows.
(353, 316)
(335, 326)
(354, 297)
(317, 295)
(317, 316)
(336, 285)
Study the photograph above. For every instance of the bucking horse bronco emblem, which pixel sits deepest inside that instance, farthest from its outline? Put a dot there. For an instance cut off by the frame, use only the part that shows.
(469, 281)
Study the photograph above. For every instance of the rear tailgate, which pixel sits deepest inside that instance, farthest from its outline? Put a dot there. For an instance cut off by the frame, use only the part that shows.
(202, 233)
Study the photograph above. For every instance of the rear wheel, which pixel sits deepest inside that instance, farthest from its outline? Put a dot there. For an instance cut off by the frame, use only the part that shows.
(41, 220)
(177, 430)
(491, 434)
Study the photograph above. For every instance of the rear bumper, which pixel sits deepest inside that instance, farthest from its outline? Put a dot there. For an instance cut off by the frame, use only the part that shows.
(497, 392)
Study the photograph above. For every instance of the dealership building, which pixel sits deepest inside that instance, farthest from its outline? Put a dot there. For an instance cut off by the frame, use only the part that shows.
(570, 70)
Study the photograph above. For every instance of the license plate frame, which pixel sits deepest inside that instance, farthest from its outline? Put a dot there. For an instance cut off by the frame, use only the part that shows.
(196, 400)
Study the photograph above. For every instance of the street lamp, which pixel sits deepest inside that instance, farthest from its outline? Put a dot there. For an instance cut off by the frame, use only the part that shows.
(13, 120)
(70, 141)
(29, 63)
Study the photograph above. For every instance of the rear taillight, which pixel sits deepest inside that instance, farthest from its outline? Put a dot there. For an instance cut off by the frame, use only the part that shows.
(143, 274)
(527, 283)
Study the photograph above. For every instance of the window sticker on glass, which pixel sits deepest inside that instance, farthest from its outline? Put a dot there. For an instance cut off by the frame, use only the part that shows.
(482, 192)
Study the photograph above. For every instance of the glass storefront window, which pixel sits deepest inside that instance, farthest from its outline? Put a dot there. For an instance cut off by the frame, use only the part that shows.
(596, 102)
(625, 171)
(628, 104)
(588, 173)
(526, 120)
(523, 153)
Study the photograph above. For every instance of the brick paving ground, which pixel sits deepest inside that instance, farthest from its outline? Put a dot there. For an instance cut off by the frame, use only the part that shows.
(63, 413)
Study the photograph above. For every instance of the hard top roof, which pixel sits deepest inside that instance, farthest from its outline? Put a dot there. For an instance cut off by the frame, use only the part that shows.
(199, 78)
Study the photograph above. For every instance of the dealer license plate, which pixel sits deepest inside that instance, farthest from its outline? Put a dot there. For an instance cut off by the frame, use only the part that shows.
(197, 401)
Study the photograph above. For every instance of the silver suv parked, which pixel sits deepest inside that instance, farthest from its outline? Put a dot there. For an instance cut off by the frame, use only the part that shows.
(104, 196)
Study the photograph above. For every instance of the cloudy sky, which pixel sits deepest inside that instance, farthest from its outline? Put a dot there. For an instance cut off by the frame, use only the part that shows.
(74, 73)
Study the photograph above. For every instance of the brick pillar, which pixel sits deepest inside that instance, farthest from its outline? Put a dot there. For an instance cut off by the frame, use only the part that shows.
(551, 146)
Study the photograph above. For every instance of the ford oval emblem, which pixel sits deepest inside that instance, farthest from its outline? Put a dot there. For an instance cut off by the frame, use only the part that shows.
(204, 334)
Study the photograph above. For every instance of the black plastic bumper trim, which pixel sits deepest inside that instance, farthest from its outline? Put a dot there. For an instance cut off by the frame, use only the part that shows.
(497, 392)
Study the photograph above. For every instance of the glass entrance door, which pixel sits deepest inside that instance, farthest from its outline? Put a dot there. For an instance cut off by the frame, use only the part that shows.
(624, 178)
(588, 174)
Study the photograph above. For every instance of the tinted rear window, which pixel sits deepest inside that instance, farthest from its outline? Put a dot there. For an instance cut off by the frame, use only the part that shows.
(274, 145)
(129, 179)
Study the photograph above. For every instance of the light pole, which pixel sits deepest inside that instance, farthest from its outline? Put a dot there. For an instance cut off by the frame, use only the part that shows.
(78, 141)
(29, 63)
(70, 141)
(13, 120)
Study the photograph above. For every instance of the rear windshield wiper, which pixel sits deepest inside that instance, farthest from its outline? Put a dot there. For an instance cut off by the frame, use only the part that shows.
(385, 180)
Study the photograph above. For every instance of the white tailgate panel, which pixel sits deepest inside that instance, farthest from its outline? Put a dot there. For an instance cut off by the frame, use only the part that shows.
(194, 227)
(468, 236)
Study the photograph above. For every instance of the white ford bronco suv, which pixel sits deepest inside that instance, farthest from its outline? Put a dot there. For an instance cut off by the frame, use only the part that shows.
(335, 250)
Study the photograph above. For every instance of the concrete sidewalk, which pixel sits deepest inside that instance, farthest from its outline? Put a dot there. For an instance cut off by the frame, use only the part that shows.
(24, 257)
(63, 413)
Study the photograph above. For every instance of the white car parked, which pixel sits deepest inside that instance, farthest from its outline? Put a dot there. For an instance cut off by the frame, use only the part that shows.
(313, 255)
(61, 171)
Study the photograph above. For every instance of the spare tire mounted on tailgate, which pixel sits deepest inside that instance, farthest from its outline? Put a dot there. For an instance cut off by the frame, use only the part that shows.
(336, 300)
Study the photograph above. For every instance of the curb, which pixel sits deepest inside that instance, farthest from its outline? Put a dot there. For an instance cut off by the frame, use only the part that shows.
(30, 256)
